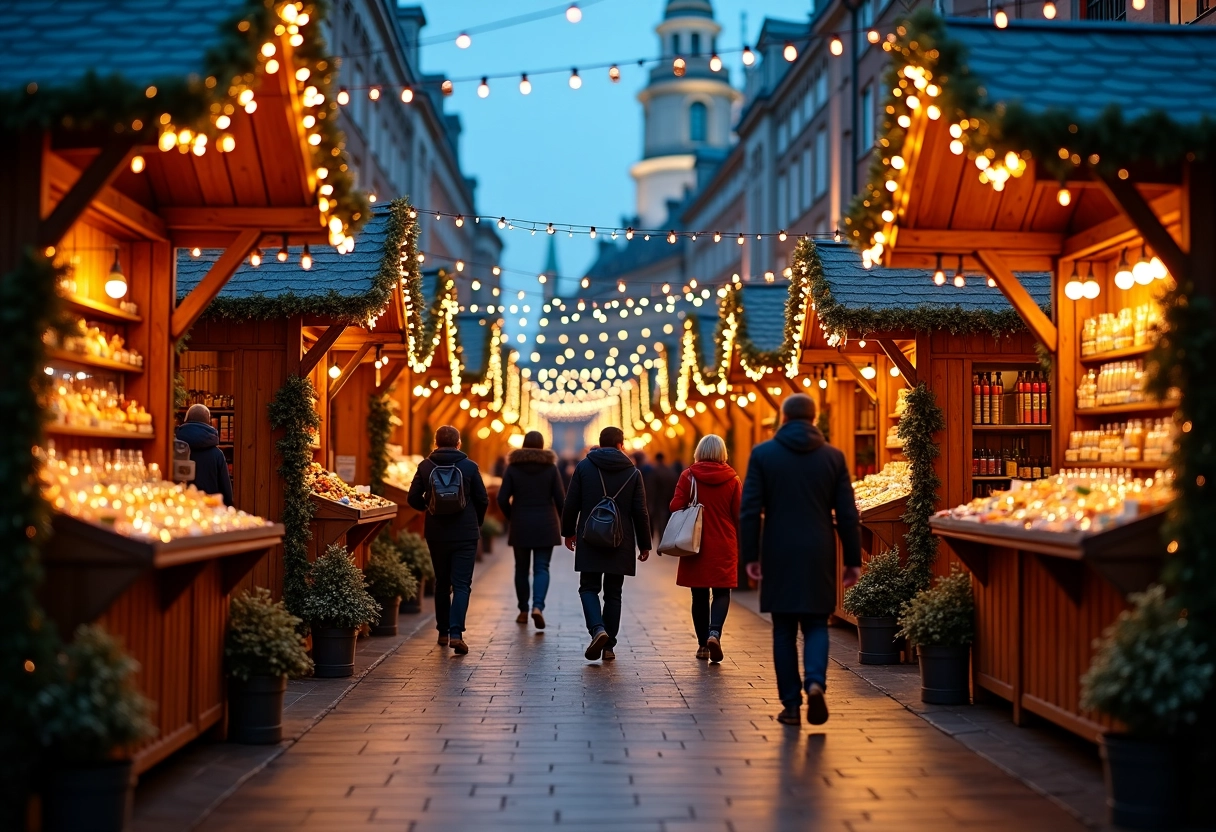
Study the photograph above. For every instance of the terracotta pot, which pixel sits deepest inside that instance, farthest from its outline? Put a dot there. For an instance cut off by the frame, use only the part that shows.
(95, 798)
(945, 674)
(1141, 781)
(386, 625)
(333, 651)
(255, 710)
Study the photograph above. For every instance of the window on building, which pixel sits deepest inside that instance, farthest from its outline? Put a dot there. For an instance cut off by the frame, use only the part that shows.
(804, 184)
(821, 162)
(821, 88)
(675, 44)
(866, 121)
(791, 192)
(698, 122)
(1106, 9)
(696, 43)
(782, 212)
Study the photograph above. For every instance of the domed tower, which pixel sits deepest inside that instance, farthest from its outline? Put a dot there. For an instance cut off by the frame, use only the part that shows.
(687, 111)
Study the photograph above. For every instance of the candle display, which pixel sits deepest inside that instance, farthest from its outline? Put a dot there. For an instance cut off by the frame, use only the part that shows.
(83, 404)
(1120, 330)
(90, 340)
(889, 484)
(329, 485)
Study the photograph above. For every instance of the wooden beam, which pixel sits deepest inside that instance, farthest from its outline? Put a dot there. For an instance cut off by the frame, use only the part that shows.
(1135, 207)
(113, 157)
(109, 204)
(950, 242)
(906, 368)
(304, 220)
(388, 379)
(348, 370)
(768, 397)
(1118, 230)
(862, 381)
(1198, 222)
(1038, 323)
(313, 357)
(195, 303)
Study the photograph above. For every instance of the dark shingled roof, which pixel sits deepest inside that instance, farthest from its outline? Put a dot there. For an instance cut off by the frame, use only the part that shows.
(855, 287)
(346, 275)
(1084, 67)
(474, 332)
(764, 314)
(56, 42)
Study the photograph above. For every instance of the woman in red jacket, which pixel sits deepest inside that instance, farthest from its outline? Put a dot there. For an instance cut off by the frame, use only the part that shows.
(716, 566)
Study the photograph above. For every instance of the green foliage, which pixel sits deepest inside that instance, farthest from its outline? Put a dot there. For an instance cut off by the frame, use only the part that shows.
(379, 429)
(337, 594)
(92, 710)
(1151, 671)
(415, 554)
(387, 576)
(921, 421)
(943, 615)
(824, 423)
(264, 638)
(491, 527)
(882, 590)
(292, 411)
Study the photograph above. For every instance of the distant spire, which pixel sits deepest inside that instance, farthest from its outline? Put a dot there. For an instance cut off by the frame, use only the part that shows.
(550, 269)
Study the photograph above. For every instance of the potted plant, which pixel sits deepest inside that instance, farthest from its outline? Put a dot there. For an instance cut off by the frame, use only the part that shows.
(388, 581)
(876, 600)
(491, 528)
(263, 649)
(1151, 673)
(88, 717)
(941, 623)
(415, 554)
(336, 604)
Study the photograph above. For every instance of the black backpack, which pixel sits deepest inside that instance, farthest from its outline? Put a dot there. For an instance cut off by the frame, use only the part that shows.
(447, 490)
(603, 528)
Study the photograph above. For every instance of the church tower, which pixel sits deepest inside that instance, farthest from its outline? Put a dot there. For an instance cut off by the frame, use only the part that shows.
(687, 111)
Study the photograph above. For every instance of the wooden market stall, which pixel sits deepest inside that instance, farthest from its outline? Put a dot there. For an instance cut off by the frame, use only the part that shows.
(176, 128)
(1000, 176)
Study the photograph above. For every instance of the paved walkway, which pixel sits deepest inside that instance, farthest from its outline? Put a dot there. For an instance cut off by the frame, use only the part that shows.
(523, 733)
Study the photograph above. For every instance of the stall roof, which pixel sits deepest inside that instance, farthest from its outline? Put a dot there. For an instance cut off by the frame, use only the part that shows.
(764, 314)
(473, 331)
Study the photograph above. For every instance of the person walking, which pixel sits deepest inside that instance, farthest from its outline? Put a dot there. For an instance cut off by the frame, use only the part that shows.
(448, 487)
(794, 482)
(716, 566)
(664, 478)
(606, 475)
(210, 464)
(531, 498)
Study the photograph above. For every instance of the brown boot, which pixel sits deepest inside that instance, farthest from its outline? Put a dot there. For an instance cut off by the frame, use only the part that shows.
(443, 641)
(522, 618)
(714, 647)
(609, 655)
(790, 716)
(703, 653)
(459, 646)
(816, 705)
(538, 618)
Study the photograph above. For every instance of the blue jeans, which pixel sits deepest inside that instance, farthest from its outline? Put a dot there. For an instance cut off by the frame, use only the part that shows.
(453, 584)
(785, 654)
(538, 559)
(609, 618)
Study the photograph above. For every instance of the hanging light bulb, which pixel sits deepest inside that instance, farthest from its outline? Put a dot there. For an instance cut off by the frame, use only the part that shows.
(447, 87)
(715, 63)
(255, 258)
(872, 36)
(628, 233)
(575, 80)
(740, 240)
(868, 372)
(620, 285)
(939, 274)
(749, 57)
(343, 96)
(525, 86)
(991, 282)
(407, 95)
(1124, 278)
(1142, 272)
(116, 281)
(671, 237)
(196, 251)
(283, 253)
(1049, 10)
(306, 259)
(574, 14)
(823, 383)
(960, 279)
(836, 46)
(1091, 288)
(1064, 196)
(614, 73)
(591, 233)
(1159, 270)
(781, 235)
(483, 89)
(550, 229)
(1074, 289)
(496, 271)
(374, 93)
(1000, 18)
(585, 282)
(475, 285)
(334, 371)
(463, 41)
(790, 53)
(678, 67)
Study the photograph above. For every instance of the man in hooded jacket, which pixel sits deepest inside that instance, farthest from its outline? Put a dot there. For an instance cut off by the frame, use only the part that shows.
(794, 482)
(605, 472)
(210, 464)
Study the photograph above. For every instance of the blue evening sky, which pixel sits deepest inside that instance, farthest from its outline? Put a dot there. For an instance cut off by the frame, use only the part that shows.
(560, 155)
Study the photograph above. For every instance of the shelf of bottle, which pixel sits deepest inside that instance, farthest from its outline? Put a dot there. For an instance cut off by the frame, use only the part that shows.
(95, 308)
(987, 478)
(55, 354)
(1010, 428)
(1115, 355)
(865, 432)
(1131, 407)
(98, 433)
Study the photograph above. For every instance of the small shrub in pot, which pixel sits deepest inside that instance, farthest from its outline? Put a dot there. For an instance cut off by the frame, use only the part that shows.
(1151, 673)
(940, 621)
(263, 649)
(876, 599)
(88, 718)
(336, 604)
(388, 581)
(415, 554)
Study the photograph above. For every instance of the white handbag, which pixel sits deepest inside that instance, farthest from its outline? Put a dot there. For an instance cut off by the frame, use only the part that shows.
(682, 537)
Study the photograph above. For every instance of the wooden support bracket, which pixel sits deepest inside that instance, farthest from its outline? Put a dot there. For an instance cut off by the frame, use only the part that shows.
(388, 379)
(348, 370)
(1136, 208)
(317, 352)
(1013, 290)
(100, 173)
(862, 381)
(194, 304)
(906, 368)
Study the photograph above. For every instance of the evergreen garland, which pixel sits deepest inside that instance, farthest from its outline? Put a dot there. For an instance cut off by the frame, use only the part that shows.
(379, 429)
(921, 421)
(293, 411)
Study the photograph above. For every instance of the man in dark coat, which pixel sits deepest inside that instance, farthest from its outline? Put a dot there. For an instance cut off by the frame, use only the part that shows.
(606, 471)
(452, 538)
(531, 498)
(794, 482)
(210, 464)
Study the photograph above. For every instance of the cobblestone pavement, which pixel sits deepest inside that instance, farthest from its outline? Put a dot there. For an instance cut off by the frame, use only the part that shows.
(524, 733)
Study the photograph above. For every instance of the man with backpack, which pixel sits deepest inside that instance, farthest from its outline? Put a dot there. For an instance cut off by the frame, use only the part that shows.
(604, 522)
(448, 487)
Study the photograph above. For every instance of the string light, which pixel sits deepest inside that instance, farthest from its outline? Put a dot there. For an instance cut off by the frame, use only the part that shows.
(1124, 278)
(1000, 18)
(959, 279)
(283, 253)
(939, 274)
(1142, 272)
(872, 36)
(1049, 10)
(343, 97)
(715, 63)
(374, 93)
(678, 67)
(575, 81)
(483, 89)
(463, 41)
(255, 258)
(407, 95)
(306, 258)
(749, 57)
(614, 73)
(790, 52)
(137, 164)
(574, 14)
(1091, 288)
(1073, 289)
(836, 46)
(525, 86)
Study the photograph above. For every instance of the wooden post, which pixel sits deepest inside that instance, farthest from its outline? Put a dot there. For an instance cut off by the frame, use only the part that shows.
(1019, 299)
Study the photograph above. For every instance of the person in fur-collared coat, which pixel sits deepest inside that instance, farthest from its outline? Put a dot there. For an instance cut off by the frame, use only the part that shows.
(531, 498)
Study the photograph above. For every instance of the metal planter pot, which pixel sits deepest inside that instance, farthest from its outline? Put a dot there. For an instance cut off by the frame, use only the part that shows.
(333, 651)
(945, 674)
(255, 710)
(878, 644)
(386, 625)
(89, 798)
(1141, 782)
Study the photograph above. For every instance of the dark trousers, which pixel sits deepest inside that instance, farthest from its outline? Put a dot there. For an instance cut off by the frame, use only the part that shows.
(608, 618)
(453, 563)
(708, 618)
(785, 653)
(538, 559)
